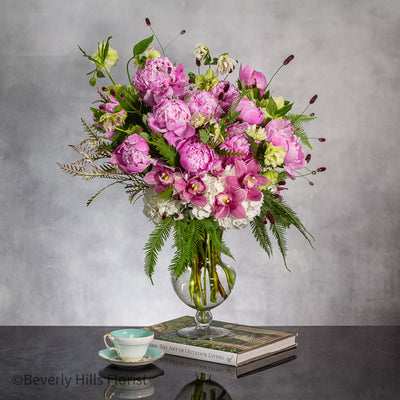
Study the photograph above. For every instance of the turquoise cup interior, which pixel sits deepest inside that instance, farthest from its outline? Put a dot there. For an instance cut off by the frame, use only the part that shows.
(131, 333)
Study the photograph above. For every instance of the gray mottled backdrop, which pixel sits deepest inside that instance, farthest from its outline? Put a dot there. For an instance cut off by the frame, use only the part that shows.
(64, 263)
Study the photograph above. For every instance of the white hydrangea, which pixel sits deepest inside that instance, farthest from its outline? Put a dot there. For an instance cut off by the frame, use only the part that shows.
(155, 208)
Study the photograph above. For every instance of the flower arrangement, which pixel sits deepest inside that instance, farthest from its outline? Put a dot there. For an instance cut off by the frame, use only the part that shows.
(205, 154)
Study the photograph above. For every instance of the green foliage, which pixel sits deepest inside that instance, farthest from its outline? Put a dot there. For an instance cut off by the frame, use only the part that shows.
(141, 47)
(259, 230)
(278, 217)
(155, 243)
(204, 136)
(166, 152)
(297, 121)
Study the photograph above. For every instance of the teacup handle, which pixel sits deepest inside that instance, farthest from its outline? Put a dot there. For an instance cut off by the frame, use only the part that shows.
(108, 335)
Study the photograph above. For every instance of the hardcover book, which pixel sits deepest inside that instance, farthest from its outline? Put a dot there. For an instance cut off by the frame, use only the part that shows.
(243, 344)
(229, 371)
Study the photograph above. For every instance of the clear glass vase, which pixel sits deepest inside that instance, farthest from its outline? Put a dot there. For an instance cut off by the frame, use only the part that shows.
(206, 282)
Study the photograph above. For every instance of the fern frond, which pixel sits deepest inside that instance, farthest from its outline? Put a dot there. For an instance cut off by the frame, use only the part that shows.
(100, 191)
(154, 244)
(279, 233)
(167, 152)
(184, 245)
(260, 233)
(284, 215)
(297, 121)
(212, 228)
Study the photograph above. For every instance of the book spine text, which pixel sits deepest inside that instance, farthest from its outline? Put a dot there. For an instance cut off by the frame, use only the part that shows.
(197, 353)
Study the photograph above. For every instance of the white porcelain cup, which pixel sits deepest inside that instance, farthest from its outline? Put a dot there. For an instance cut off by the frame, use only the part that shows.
(130, 344)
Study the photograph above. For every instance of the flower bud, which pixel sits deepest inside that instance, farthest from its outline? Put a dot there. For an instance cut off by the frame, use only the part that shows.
(112, 92)
(104, 89)
(312, 115)
(321, 169)
(92, 81)
(265, 221)
(308, 158)
(311, 183)
(312, 100)
(148, 23)
(314, 172)
(288, 59)
(198, 62)
(321, 139)
(282, 183)
(182, 32)
(270, 217)
(122, 95)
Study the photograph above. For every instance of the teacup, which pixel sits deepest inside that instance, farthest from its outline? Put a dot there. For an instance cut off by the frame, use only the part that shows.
(130, 344)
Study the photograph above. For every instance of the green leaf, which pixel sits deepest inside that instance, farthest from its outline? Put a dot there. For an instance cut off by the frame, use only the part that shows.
(279, 234)
(167, 152)
(271, 107)
(213, 229)
(184, 243)
(260, 233)
(204, 136)
(154, 244)
(284, 110)
(141, 47)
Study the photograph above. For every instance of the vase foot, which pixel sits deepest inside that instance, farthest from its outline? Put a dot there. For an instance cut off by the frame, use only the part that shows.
(194, 332)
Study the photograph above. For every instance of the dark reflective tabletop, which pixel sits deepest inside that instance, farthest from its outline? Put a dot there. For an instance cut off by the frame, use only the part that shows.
(360, 363)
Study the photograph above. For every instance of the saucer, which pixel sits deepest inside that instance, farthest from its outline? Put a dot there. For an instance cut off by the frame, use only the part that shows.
(152, 354)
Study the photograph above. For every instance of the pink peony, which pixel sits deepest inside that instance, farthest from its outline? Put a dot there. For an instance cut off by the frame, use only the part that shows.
(161, 176)
(192, 190)
(226, 94)
(280, 133)
(236, 142)
(160, 79)
(248, 178)
(203, 102)
(249, 112)
(196, 157)
(171, 117)
(229, 202)
(131, 156)
(252, 78)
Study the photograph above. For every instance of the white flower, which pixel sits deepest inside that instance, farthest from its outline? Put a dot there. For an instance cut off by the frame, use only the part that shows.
(225, 65)
(156, 208)
(201, 51)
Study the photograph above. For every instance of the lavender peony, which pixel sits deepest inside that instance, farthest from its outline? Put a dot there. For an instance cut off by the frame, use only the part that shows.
(132, 155)
(196, 157)
(203, 102)
(249, 112)
(236, 142)
(171, 117)
(160, 79)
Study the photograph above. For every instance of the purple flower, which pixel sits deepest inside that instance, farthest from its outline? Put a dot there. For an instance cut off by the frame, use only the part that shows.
(192, 190)
(203, 102)
(131, 156)
(253, 79)
(161, 176)
(171, 117)
(226, 94)
(249, 112)
(160, 79)
(236, 142)
(196, 157)
(280, 133)
(229, 202)
(248, 178)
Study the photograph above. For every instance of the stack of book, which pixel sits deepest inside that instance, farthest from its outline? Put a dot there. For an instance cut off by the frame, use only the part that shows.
(246, 348)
